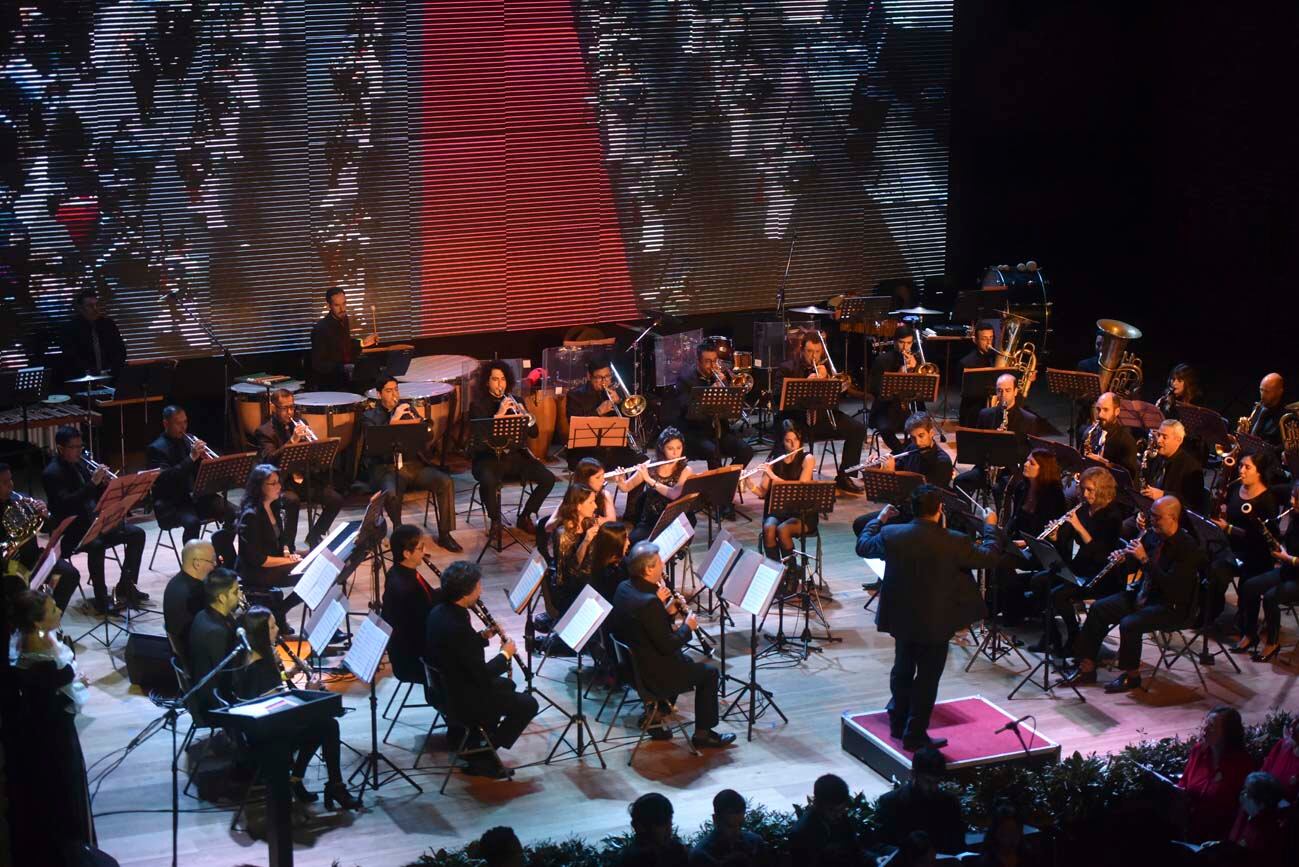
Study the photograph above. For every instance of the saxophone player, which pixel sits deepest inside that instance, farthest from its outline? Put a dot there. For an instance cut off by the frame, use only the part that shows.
(1109, 439)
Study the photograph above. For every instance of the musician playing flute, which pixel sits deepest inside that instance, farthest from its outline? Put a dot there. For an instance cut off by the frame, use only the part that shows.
(793, 463)
(924, 456)
(178, 456)
(663, 483)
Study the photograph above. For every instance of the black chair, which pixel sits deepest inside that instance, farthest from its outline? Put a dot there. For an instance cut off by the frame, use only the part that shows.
(197, 721)
(441, 701)
(403, 672)
(654, 715)
(1169, 654)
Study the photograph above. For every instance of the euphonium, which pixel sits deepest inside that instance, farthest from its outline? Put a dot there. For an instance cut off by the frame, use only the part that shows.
(22, 520)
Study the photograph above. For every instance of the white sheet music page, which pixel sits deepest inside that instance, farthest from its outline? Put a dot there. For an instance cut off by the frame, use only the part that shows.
(673, 537)
(325, 544)
(42, 573)
(580, 626)
(760, 589)
(327, 617)
(368, 644)
(319, 577)
(715, 570)
(876, 567)
(527, 583)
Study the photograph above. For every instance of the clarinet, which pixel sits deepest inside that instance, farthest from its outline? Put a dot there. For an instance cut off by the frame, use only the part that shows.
(705, 640)
(428, 561)
(480, 609)
(299, 667)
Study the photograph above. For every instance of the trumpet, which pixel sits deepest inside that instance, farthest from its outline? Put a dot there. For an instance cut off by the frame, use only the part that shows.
(403, 412)
(1245, 424)
(513, 407)
(760, 467)
(622, 471)
(94, 466)
(1058, 523)
(207, 451)
(299, 667)
(301, 428)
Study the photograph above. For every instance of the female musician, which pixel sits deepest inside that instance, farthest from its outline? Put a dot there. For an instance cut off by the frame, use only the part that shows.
(663, 484)
(492, 398)
(779, 530)
(1183, 387)
(604, 559)
(1036, 498)
(1249, 501)
(590, 472)
(264, 674)
(265, 556)
(1273, 588)
(572, 528)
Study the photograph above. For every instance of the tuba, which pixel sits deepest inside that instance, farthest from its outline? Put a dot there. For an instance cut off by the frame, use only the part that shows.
(1289, 425)
(1010, 353)
(1120, 370)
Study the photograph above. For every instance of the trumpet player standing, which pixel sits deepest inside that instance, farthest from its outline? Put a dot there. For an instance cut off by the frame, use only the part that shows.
(178, 455)
(492, 398)
(283, 429)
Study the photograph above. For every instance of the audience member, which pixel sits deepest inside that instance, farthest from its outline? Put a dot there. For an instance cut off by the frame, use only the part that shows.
(1282, 761)
(1003, 845)
(499, 847)
(920, 805)
(1261, 827)
(917, 850)
(653, 843)
(1215, 771)
(823, 835)
(727, 841)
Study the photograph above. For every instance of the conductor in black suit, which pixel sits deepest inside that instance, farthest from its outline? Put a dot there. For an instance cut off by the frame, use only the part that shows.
(641, 620)
(478, 691)
(925, 597)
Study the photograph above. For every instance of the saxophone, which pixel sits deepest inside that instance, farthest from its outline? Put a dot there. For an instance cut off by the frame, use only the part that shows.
(1005, 419)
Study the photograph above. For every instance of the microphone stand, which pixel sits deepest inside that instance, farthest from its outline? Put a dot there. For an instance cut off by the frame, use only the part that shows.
(784, 278)
(227, 357)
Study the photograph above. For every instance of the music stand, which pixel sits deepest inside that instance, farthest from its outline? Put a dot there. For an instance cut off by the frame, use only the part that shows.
(1054, 566)
(575, 628)
(309, 457)
(909, 387)
(523, 597)
(812, 394)
(597, 431)
(685, 504)
(394, 444)
(502, 434)
(882, 486)
(1139, 414)
(48, 556)
(715, 403)
(983, 380)
(25, 388)
(718, 560)
(991, 450)
(751, 586)
(716, 489)
(1069, 458)
(1211, 539)
(218, 475)
(1080, 385)
(1205, 423)
(804, 499)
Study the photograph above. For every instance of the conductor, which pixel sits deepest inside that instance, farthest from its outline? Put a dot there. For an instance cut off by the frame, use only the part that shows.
(925, 597)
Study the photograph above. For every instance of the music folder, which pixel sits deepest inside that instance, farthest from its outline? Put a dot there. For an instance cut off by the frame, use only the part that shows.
(719, 559)
(325, 619)
(583, 618)
(529, 580)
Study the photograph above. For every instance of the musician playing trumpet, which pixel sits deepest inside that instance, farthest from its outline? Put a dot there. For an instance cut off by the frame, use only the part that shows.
(792, 462)
(284, 429)
(492, 398)
(178, 455)
(887, 416)
(811, 361)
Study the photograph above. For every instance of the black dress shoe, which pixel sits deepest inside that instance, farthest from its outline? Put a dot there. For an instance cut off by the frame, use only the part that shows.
(128, 597)
(847, 484)
(896, 728)
(1124, 683)
(336, 793)
(710, 739)
(526, 525)
(914, 743)
(1080, 678)
(445, 541)
(103, 606)
(488, 766)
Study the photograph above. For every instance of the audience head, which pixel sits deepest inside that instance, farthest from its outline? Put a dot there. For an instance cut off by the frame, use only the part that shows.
(928, 767)
(35, 610)
(651, 818)
(1261, 793)
(728, 813)
(644, 563)
(499, 847)
(197, 559)
(926, 502)
(259, 624)
(221, 589)
(830, 795)
(1005, 829)
(1098, 488)
(462, 583)
(405, 541)
(1223, 730)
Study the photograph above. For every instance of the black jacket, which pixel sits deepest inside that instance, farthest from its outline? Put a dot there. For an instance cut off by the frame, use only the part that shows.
(452, 645)
(332, 346)
(1173, 577)
(182, 600)
(1267, 426)
(255, 679)
(79, 350)
(211, 637)
(927, 594)
(1021, 423)
(174, 486)
(933, 463)
(909, 808)
(68, 492)
(1181, 475)
(484, 405)
(584, 400)
(259, 538)
(677, 404)
(407, 601)
(269, 438)
(1120, 448)
(640, 621)
(1104, 527)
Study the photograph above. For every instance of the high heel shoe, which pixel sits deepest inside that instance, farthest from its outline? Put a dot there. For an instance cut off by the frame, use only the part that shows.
(1245, 645)
(300, 793)
(1265, 654)
(336, 792)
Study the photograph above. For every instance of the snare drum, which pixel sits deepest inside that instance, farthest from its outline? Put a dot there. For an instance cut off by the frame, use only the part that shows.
(743, 360)
(430, 400)
(331, 414)
(252, 408)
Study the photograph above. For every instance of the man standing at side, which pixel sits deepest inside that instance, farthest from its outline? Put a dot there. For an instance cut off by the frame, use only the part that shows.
(925, 597)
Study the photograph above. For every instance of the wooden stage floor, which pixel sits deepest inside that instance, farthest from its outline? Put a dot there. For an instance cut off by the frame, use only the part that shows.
(577, 797)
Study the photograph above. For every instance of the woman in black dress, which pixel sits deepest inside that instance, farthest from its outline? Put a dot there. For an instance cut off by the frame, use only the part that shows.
(663, 484)
(1249, 502)
(605, 564)
(1276, 587)
(572, 528)
(262, 675)
(265, 557)
(779, 530)
(1035, 499)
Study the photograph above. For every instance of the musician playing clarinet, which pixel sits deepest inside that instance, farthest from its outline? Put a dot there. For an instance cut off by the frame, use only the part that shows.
(823, 425)
(178, 456)
(1006, 414)
(407, 600)
(283, 429)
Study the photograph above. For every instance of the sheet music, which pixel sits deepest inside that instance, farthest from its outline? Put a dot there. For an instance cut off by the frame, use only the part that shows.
(325, 544)
(713, 573)
(673, 537)
(368, 644)
(43, 571)
(527, 583)
(761, 588)
(327, 619)
(319, 577)
(876, 567)
(581, 624)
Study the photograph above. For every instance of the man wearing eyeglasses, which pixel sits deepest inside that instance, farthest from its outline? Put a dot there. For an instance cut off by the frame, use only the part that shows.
(598, 396)
(184, 596)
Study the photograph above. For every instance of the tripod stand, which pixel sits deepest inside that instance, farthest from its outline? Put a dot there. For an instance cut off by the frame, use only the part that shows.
(751, 585)
(1055, 571)
(501, 435)
(804, 499)
(575, 629)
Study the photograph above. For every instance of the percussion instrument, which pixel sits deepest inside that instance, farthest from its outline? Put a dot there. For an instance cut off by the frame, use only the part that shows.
(89, 378)
(252, 404)
(331, 414)
(43, 421)
(742, 360)
(543, 406)
(916, 311)
(812, 310)
(725, 347)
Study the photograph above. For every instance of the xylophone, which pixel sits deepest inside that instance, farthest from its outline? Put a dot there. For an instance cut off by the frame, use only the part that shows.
(43, 420)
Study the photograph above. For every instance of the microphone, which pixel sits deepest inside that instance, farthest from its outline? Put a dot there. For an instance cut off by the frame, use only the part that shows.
(1010, 726)
(243, 639)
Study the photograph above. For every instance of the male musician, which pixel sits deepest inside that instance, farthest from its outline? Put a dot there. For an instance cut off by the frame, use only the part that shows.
(74, 492)
(926, 596)
(1092, 363)
(1111, 440)
(64, 577)
(407, 600)
(1009, 415)
(478, 692)
(416, 473)
(281, 430)
(91, 342)
(980, 356)
(1169, 563)
(924, 457)
(1175, 470)
(887, 416)
(185, 596)
(1267, 425)
(599, 396)
(834, 424)
(702, 439)
(334, 351)
(212, 636)
(640, 619)
(174, 502)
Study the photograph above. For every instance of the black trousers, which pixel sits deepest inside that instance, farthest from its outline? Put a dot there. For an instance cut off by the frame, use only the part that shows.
(418, 476)
(704, 678)
(67, 580)
(331, 503)
(913, 684)
(707, 446)
(131, 537)
(321, 735)
(257, 588)
(1061, 595)
(846, 428)
(889, 417)
(490, 472)
(1272, 592)
(1133, 622)
(192, 515)
(508, 712)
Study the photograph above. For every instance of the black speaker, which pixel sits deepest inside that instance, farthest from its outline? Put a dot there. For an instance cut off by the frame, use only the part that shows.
(148, 663)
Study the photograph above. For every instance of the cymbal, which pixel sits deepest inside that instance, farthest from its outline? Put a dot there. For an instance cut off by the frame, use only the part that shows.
(812, 310)
(916, 311)
(89, 377)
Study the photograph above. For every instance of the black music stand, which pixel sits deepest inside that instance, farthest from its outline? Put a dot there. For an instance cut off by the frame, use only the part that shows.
(26, 388)
(715, 403)
(1081, 385)
(813, 394)
(882, 486)
(909, 387)
(716, 489)
(502, 434)
(309, 457)
(523, 597)
(580, 622)
(804, 499)
(394, 444)
(1205, 423)
(219, 475)
(1054, 566)
(1068, 457)
(751, 586)
(993, 450)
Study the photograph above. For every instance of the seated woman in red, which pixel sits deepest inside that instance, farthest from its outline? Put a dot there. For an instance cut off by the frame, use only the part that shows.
(1283, 761)
(1260, 827)
(1215, 772)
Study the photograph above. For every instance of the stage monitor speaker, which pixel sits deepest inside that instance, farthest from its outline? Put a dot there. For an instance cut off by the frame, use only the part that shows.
(148, 663)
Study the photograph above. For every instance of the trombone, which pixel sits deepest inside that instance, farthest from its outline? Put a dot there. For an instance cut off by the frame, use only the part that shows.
(632, 404)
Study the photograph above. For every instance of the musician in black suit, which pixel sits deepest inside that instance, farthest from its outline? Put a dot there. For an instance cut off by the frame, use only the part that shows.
(212, 636)
(283, 429)
(91, 341)
(1109, 438)
(925, 597)
(174, 502)
(1170, 562)
(73, 490)
(1266, 425)
(334, 351)
(640, 619)
(599, 396)
(64, 577)
(407, 600)
(184, 596)
(1009, 414)
(266, 556)
(887, 416)
(1175, 469)
(703, 442)
(981, 355)
(924, 456)
(478, 692)
(834, 424)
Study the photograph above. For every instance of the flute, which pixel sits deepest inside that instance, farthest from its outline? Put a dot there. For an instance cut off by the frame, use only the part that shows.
(622, 471)
(760, 467)
(878, 460)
